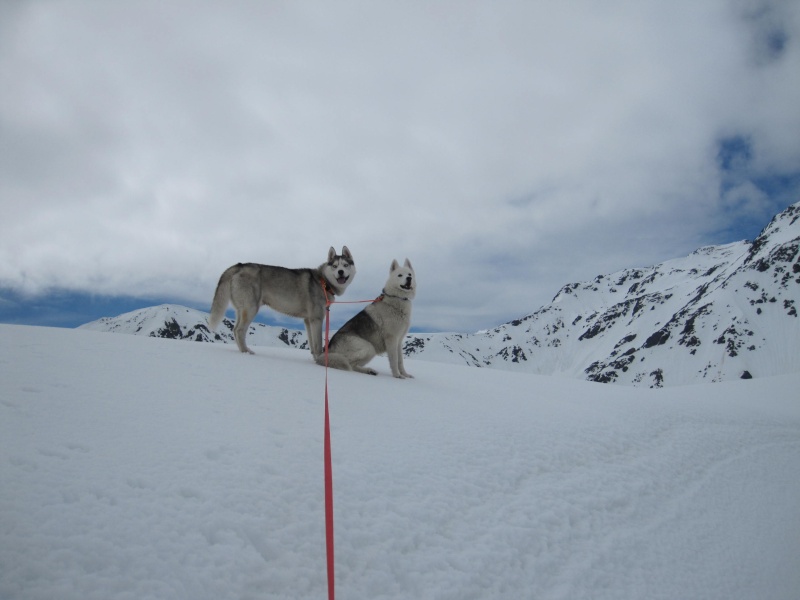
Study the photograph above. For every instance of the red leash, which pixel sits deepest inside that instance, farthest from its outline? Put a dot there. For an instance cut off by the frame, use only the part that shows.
(328, 465)
(327, 448)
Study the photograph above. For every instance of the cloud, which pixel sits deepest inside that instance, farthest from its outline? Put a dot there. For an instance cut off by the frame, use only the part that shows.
(505, 148)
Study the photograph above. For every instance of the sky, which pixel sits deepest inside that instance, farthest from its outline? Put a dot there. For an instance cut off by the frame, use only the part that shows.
(505, 148)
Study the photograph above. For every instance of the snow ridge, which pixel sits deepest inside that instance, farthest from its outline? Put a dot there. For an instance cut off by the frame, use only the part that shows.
(722, 313)
(181, 323)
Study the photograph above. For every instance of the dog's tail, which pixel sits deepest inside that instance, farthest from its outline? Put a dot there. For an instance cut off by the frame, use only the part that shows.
(222, 296)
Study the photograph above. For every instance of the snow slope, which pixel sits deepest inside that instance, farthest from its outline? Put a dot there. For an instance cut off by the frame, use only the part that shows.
(136, 468)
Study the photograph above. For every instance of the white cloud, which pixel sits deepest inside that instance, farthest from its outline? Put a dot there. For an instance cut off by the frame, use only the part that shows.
(505, 148)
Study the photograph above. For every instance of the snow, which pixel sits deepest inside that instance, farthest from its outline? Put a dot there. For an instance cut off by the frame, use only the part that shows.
(136, 467)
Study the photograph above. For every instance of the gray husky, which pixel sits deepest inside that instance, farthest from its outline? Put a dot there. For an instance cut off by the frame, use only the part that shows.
(380, 328)
(294, 292)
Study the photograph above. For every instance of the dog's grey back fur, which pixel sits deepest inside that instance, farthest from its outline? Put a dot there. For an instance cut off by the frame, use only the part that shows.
(294, 292)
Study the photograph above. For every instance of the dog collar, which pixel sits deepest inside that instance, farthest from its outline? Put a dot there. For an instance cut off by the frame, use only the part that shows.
(327, 286)
(384, 295)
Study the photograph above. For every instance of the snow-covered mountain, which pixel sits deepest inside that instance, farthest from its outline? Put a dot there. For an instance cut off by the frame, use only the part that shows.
(721, 313)
(181, 323)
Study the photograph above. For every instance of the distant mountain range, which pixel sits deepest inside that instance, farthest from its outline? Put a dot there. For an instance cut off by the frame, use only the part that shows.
(721, 313)
(181, 323)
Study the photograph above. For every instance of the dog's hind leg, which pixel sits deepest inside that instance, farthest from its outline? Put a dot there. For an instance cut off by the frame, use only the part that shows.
(339, 361)
(359, 353)
(365, 370)
(244, 316)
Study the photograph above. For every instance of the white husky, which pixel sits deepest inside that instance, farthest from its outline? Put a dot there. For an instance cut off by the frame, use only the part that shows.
(294, 292)
(380, 328)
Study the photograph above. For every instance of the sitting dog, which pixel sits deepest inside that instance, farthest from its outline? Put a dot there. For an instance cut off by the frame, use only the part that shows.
(380, 328)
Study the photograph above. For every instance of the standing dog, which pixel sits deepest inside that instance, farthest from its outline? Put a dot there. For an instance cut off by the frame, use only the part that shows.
(294, 292)
(380, 328)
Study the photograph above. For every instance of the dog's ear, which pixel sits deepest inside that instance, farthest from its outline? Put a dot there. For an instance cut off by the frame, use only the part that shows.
(331, 254)
(395, 266)
(408, 264)
(346, 253)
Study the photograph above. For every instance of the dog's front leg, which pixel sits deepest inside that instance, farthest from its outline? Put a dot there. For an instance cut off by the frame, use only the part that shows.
(314, 333)
(396, 359)
(391, 353)
(400, 362)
